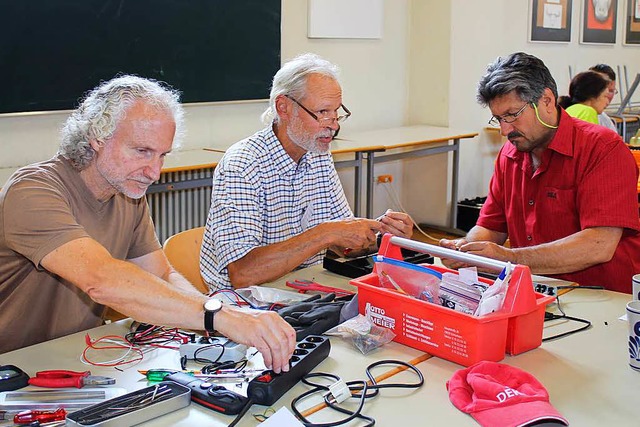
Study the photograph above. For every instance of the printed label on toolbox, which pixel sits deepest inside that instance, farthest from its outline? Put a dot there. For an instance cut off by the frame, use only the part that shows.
(377, 316)
(455, 342)
(418, 329)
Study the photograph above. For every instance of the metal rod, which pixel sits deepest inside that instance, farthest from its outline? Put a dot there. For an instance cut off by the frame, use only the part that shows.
(441, 252)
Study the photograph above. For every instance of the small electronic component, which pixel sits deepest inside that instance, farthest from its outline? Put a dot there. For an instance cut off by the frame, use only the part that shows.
(213, 349)
(12, 378)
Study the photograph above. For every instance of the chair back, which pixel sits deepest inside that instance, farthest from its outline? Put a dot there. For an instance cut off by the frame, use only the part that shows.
(183, 251)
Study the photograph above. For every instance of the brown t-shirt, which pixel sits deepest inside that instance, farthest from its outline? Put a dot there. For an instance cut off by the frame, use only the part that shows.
(42, 207)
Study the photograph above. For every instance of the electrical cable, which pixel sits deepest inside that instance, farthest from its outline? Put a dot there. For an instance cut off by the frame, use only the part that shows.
(351, 414)
(241, 414)
(550, 316)
(239, 299)
(396, 200)
(359, 389)
(132, 353)
(143, 334)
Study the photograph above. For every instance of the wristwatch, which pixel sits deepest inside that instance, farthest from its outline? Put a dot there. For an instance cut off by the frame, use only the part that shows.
(211, 307)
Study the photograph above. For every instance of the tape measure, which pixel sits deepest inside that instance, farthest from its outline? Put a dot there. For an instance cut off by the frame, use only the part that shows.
(12, 378)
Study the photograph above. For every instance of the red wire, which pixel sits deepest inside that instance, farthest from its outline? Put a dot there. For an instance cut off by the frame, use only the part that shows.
(99, 345)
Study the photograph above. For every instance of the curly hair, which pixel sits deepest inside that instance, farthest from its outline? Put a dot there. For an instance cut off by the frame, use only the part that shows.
(104, 107)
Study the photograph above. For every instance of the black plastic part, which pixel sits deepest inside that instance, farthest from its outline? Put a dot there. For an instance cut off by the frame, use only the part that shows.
(212, 396)
(360, 266)
(12, 378)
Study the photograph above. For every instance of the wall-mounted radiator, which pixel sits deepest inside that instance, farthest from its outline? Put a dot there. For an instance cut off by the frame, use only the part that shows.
(180, 201)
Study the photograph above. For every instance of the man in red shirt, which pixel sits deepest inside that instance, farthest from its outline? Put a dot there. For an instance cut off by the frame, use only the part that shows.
(563, 190)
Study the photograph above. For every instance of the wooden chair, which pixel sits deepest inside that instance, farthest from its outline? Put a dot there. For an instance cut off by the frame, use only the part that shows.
(183, 251)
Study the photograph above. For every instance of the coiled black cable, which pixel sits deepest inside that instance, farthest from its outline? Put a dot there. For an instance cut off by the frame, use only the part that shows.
(359, 389)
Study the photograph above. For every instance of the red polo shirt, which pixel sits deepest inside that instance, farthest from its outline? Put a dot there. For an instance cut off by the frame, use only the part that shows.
(587, 178)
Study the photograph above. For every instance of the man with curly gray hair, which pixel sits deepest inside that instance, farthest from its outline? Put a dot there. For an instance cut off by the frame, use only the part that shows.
(76, 235)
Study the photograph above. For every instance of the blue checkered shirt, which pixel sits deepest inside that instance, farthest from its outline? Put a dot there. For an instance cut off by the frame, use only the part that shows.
(260, 197)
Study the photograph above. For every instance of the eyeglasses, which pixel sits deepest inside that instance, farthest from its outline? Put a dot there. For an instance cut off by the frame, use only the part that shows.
(324, 119)
(507, 118)
(613, 91)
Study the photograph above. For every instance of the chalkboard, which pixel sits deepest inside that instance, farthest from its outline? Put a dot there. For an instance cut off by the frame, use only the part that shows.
(53, 51)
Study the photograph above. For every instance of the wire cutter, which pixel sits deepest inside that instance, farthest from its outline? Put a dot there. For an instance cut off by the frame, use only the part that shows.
(308, 285)
(61, 378)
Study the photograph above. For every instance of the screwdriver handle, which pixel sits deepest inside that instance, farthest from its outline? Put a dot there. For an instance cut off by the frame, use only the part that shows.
(27, 417)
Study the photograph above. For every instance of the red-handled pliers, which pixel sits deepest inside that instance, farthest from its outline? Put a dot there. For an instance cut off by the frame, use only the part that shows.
(61, 378)
(307, 285)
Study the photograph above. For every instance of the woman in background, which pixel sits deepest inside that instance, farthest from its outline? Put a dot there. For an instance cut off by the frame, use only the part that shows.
(588, 96)
(608, 73)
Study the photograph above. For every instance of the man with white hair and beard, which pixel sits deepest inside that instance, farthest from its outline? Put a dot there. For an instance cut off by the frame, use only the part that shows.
(277, 203)
(76, 235)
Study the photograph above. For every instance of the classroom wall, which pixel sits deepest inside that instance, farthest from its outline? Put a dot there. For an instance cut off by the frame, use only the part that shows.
(424, 69)
(374, 75)
(482, 31)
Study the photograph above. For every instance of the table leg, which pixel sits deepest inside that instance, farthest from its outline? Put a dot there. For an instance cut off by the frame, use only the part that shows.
(454, 184)
(370, 164)
(357, 184)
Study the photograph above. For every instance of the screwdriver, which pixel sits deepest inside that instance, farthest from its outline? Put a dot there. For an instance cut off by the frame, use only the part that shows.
(157, 375)
(28, 417)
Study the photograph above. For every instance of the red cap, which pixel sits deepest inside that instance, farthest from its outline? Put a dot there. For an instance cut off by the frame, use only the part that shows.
(501, 395)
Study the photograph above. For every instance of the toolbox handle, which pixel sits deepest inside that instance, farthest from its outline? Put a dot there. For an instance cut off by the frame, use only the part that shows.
(480, 261)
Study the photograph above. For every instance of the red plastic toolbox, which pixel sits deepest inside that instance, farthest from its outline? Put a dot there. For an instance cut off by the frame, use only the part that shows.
(449, 334)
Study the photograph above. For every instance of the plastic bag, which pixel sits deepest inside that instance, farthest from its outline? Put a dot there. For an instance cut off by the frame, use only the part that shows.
(415, 280)
(362, 333)
(261, 296)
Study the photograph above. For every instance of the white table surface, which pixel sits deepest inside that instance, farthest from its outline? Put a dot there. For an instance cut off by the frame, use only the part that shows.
(587, 374)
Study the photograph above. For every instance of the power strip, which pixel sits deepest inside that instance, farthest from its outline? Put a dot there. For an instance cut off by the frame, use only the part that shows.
(268, 387)
(214, 349)
(264, 389)
(545, 289)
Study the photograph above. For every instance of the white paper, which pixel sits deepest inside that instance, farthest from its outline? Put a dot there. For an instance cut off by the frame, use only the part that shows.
(552, 16)
(468, 275)
(345, 19)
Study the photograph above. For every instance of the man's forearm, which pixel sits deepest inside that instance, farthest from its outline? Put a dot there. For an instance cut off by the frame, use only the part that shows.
(180, 282)
(148, 298)
(576, 252)
(481, 234)
(268, 263)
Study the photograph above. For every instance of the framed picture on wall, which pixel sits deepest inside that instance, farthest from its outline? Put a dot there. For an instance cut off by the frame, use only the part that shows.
(632, 23)
(550, 21)
(599, 21)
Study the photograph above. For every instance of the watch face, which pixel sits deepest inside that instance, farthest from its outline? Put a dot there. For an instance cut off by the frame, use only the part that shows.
(213, 305)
